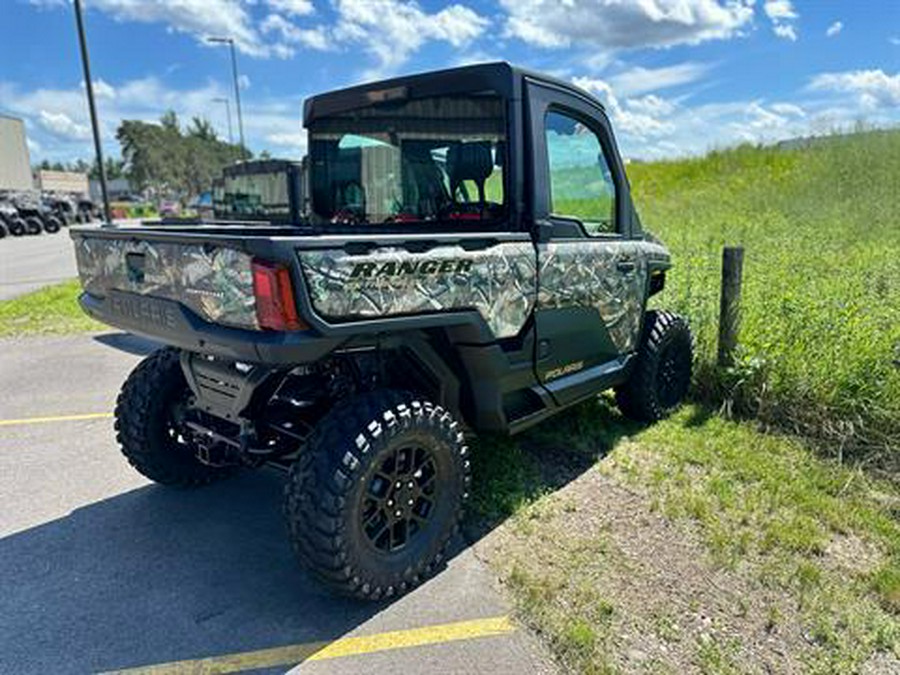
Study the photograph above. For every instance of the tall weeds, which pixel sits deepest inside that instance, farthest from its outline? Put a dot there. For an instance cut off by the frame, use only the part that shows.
(820, 340)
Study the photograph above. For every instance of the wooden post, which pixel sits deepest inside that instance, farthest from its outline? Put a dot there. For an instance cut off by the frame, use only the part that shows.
(730, 304)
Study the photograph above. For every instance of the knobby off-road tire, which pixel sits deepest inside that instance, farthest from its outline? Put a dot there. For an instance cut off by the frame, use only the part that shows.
(662, 374)
(375, 456)
(52, 225)
(146, 424)
(18, 227)
(33, 225)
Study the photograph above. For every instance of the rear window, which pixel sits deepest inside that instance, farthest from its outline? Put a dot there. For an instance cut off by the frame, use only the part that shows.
(432, 160)
(250, 196)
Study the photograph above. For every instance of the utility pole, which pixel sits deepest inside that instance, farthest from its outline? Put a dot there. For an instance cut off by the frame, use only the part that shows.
(228, 115)
(237, 88)
(89, 88)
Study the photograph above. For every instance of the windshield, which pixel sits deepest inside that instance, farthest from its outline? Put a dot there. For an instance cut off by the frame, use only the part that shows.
(256, 195)
(427, 160)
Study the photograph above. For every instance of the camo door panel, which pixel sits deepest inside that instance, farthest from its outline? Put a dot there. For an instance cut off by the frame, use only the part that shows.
(585, 273)
(498, 282)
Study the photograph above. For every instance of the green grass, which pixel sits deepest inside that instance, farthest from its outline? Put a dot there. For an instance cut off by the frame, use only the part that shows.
(53, 309)
(767, 509)
(820, 338)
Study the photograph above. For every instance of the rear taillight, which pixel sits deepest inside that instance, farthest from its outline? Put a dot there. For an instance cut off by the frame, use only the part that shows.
(275, 305)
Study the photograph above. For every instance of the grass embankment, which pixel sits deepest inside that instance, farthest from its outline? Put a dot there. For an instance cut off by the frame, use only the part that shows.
(821, 299)
(696, 545)
(50, 310)
(701, 544)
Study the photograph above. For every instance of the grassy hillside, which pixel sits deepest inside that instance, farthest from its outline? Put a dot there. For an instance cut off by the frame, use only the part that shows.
(821, 228)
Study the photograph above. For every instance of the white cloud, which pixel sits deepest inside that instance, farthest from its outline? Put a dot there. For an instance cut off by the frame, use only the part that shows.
(638, 118)
(613, 24)
(786, 31)
(780, 10)
(788, 109)
(872, 88)
(653, 127)
(895, 41)
(782, 14)
(314, 38)
(652, 105)
(58, 124)
(641, 80)
(61, 125)
(392, 30)
(198, 18)
(292, 7)
(834, 29)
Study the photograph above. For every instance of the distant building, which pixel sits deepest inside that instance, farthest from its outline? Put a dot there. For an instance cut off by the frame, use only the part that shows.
(116, 187)
(15, 163)
(62, 181)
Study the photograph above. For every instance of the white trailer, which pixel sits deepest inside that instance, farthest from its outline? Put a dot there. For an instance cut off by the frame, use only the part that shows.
(15, 163)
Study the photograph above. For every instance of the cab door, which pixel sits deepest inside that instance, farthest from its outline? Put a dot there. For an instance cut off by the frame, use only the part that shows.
(591, 276)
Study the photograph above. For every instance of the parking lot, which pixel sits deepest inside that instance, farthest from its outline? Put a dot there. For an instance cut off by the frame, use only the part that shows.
(29, 262)
(103, 571)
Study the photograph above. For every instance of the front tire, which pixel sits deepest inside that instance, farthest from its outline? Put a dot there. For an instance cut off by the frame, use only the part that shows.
(376, 496)
(147, 412)
(18, 227)
(662, 375)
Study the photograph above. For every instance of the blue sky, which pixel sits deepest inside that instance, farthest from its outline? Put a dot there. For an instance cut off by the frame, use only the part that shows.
(678, 76)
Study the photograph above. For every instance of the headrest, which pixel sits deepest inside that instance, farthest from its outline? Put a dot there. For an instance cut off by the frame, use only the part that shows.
(470, 161)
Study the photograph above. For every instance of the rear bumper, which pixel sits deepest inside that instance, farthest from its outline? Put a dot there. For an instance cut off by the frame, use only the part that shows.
(172, 323)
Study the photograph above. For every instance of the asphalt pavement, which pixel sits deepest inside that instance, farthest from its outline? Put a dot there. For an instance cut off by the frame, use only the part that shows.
(101, 570)
(29, 262)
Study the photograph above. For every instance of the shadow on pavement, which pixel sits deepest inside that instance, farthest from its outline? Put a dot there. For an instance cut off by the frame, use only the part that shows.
(156, 575)
(126, 342)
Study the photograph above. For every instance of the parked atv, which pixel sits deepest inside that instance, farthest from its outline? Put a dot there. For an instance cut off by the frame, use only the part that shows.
(471, 261)
(86, 211)
(63, 208)
(38, 216)
(13, 223)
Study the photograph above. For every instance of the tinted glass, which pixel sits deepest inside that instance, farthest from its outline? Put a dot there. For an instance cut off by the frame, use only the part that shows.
(258, 195)
(581, 183)
(433, 160)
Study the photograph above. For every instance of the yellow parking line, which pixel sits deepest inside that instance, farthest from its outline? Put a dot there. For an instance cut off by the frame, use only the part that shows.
(318, 651)
(55, 418)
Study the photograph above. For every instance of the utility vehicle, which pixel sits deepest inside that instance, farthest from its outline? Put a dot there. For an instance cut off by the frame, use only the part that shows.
(470, 260)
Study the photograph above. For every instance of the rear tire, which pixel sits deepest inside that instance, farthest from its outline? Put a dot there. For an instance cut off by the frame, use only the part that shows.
(662, 375)
(146, 424)
(376, 496)
(52, 225)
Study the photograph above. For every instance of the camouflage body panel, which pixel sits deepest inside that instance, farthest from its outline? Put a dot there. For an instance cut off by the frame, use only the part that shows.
(498, 282)
(214, 282)
(585, 274)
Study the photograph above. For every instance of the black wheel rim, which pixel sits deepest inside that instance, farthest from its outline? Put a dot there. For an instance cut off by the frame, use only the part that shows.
(673, 376)
(400, 498)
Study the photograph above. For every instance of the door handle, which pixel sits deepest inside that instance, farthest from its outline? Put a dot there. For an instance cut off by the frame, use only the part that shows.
(626, 265)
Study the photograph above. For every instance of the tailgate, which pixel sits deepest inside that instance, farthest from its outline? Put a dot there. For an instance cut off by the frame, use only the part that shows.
(214, 282)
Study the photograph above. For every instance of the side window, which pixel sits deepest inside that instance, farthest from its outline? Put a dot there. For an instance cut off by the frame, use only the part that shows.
(581, 182)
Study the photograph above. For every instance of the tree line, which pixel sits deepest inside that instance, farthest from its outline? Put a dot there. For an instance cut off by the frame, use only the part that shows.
(166, 159)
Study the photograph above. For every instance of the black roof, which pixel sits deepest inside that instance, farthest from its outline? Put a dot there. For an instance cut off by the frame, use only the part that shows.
(255, 166)
(498, 76)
